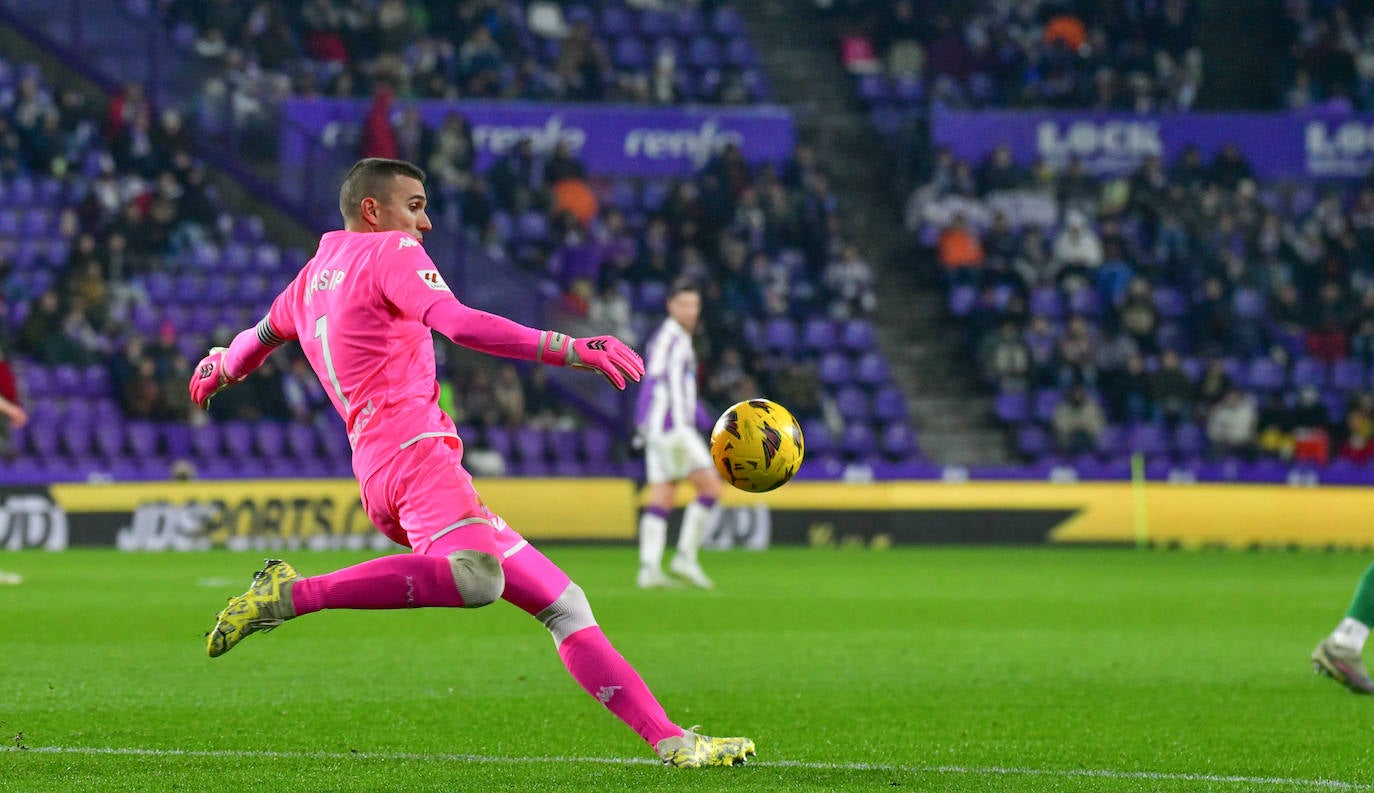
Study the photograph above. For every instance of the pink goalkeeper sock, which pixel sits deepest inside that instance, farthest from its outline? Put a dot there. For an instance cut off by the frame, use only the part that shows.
(391, 582)
(606, 675)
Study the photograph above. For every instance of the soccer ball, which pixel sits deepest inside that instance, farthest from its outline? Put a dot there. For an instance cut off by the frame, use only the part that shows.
(757, 445)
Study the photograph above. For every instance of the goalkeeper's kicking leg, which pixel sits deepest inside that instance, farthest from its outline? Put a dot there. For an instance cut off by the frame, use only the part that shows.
(473, 567)
(1339, 655)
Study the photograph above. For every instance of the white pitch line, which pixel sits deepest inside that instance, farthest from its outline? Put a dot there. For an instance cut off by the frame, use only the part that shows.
(1098, 773)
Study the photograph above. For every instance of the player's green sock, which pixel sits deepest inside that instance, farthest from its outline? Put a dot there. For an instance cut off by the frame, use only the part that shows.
(1362, 607)
(1354, 629)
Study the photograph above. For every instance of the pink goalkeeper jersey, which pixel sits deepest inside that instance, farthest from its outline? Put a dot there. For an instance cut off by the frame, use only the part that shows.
(356, 308)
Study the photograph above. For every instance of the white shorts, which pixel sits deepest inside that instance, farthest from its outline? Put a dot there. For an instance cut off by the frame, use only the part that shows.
(671, 456)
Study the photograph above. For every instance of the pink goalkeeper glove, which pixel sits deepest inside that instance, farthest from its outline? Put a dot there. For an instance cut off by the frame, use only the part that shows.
(605, 354)
(209, 378)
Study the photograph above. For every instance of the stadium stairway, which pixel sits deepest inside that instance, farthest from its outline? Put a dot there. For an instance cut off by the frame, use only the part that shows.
(952, 414)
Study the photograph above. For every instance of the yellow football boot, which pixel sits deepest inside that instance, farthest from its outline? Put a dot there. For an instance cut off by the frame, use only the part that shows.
(265, 605)
(691, 750)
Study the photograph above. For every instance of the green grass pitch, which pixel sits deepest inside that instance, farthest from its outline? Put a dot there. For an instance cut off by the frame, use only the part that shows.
(951, 669)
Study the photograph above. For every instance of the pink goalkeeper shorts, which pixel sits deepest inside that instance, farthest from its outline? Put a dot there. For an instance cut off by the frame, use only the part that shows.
(423, 498)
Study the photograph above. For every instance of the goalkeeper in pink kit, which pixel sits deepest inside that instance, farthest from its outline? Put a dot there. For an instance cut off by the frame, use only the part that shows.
(363, 310)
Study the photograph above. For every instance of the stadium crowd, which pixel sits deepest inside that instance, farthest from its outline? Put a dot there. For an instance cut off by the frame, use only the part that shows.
(1224, 316)
(1113, 55)
(641, 51)
(129, 239)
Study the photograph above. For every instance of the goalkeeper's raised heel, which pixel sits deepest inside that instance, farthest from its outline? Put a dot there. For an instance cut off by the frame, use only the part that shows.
(691, 750)
(1342, 665)
(265, 605)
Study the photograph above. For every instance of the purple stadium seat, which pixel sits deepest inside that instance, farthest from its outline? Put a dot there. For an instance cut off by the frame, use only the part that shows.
(1046, 302)
(532, 226)
(820, 441)
(238, 439)
(205, 441)
(655, 194)
(250, 229)
(575, 14)
(50, 191)
(531, 444)
(237, 257)
(1264, 470)
(909, 91)
(853, 404)
(109, 439)
(532, 467)
(1264, 374)
(857, 440)
(889, 405)
(818, 335)
(36, 380)
(899, 442)
(1189, 440)
(36, 223)
(1170, 303)
(688, 20)
(1033, 441)
(1046, 400)
(176, 439)
(563, 444)
(631, 53)
(141, 439)
(1348, 374)
(1336, 405)
(654, 24)
(726, 22)
(95, 382)
(1012, 407)
(1249, 304)
(872, 370)
(311, 468)
(78, 413)
(301, 441)
(267, 258)
(873, 89)
(77, 440)
(780, 334)
(1085, 301)
(66, 381)
(122, 470)
(269, 438)
(834, 369)
(651, 297)
(500, 440)
(739, 52)
(42, 439)
(616, 22)
(9, 223)
(1309, 372)
(1147, 439)
(217, 468)
(596, 444)
(334, 441)
(1112, 441)
(568, 468)
(857, 336)
(962, 300)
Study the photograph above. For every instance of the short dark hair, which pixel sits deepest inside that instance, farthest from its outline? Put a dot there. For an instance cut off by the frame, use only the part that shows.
(683, 285)
(371, 178)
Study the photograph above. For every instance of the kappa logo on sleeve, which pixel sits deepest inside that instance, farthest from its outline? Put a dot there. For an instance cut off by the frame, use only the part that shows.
(407, 242)
(433, 280)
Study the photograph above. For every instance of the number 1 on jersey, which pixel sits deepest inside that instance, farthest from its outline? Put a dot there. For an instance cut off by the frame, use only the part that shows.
(322, 333)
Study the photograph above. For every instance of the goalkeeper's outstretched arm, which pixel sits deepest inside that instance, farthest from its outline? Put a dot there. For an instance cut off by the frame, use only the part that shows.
(225, 366)
(496, 335)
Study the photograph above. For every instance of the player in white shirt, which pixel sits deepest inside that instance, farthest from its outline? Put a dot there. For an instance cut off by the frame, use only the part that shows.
(668, 416)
